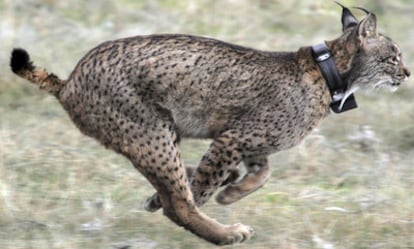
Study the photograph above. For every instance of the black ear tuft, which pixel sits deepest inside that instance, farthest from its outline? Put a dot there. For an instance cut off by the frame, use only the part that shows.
(20, 61)
(348, 19)
(364, 10)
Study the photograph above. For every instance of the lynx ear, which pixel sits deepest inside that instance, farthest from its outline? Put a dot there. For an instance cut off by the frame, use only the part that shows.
(367, 28)
(348, 19)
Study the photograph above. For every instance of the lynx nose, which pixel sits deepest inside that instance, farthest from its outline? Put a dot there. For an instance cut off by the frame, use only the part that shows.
(407, 72)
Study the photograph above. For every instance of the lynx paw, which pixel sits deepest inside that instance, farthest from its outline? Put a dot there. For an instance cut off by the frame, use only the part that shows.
(231, 194)
(153, 203)
(237, 233)
(250, 183)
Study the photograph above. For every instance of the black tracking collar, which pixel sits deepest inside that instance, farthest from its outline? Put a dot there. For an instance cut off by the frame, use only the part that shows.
(337, 87)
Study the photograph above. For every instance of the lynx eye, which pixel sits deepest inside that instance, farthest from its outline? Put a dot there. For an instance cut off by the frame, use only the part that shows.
(394, 59)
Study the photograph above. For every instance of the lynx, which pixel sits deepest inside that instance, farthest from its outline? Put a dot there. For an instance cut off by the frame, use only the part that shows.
(138, 96)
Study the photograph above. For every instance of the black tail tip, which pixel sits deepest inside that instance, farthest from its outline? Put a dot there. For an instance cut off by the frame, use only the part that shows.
(20, 61)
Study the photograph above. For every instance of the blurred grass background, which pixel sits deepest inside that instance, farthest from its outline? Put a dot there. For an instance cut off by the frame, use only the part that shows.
(348, 185)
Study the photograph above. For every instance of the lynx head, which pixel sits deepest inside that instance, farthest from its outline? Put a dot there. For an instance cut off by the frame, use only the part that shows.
(376, 60)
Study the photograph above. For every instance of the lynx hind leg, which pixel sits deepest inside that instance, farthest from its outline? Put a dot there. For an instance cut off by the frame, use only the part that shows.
(153, 203)
(167, 174)
(258, 172)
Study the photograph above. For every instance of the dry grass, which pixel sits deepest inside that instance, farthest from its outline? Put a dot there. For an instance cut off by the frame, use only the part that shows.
(349, 185)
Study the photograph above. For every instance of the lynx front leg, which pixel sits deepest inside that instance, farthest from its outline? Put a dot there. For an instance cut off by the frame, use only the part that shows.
(258, 172)
(217, 166)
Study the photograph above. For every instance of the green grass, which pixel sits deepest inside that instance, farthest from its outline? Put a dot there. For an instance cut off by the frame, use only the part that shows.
(348, 185)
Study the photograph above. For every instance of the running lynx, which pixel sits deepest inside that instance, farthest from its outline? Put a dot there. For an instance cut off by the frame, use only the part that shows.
(139, 95)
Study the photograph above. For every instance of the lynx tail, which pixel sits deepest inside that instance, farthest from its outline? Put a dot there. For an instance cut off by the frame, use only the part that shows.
(22, 66)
